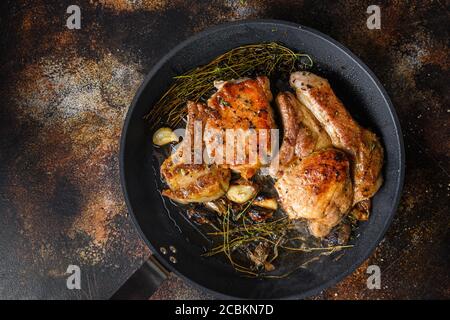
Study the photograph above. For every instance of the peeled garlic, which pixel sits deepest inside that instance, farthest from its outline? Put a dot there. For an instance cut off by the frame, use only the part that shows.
(241, 193)
(216, 206)
(266, 202)
(163, 136)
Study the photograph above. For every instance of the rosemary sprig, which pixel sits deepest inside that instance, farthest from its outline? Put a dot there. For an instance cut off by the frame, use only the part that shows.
(245, 61)
(238, 235)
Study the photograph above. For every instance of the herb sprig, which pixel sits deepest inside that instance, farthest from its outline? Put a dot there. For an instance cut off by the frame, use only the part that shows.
(245, 61)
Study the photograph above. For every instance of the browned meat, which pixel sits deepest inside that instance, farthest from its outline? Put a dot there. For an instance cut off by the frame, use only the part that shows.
(317, 188)
(187, 181)
(361, 144)
(240, 104)
(303, 134)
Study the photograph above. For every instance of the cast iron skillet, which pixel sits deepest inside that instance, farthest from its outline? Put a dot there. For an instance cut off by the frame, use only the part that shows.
(353, 82)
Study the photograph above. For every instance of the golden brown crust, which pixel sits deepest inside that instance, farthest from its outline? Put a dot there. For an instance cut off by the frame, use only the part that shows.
(303, 134)
(317, 188)
(363, 146)
(188, 181)
(240, 104)
(291, 126)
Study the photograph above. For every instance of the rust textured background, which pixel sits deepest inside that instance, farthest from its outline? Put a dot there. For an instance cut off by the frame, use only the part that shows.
(64, 94)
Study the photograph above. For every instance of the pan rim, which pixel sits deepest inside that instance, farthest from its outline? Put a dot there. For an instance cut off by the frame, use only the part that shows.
(392, 114)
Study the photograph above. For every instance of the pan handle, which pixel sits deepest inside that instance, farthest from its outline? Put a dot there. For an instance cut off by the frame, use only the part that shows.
(144, 282)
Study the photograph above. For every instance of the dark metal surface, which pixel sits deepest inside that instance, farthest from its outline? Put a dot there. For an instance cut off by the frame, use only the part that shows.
(65, 92)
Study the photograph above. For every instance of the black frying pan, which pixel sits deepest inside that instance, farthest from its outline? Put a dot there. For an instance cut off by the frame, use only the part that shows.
(353, 82)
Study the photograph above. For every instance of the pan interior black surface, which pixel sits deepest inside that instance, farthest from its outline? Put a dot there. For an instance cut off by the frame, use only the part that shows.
(354, 84)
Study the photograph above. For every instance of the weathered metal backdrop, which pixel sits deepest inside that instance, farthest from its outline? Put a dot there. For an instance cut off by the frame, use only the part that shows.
(64, 94)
